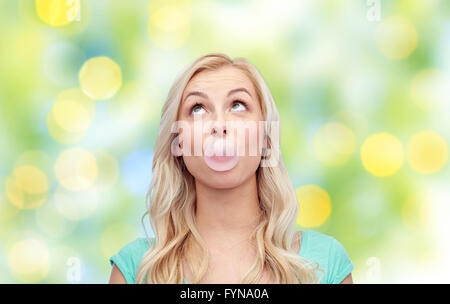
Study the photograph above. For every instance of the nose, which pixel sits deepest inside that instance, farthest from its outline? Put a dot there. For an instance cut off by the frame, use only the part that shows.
(219, 127)
(219, 130)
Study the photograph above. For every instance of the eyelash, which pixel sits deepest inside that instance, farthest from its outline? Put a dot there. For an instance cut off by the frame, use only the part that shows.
(236, 100)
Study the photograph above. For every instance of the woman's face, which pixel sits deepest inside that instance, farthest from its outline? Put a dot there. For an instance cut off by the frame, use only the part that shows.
(226, 110)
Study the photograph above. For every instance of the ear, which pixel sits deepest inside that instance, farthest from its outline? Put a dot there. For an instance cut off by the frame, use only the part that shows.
(176, 147)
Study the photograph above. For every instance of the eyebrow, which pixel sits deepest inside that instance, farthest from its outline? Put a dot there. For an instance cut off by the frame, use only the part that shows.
(201, 94)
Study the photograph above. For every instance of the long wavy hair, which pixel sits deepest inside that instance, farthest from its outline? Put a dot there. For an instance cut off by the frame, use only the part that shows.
(171, 200)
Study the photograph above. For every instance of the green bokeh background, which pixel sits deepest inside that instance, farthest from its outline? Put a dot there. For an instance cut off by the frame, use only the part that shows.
(322, 61)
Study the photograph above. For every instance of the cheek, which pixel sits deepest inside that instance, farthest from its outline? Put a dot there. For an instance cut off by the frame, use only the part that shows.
(250, 140)
(254, 141)
(194, 164)
(187, 140)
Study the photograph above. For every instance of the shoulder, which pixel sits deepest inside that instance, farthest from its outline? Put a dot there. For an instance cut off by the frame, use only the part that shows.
(129, 257)
(328, 253)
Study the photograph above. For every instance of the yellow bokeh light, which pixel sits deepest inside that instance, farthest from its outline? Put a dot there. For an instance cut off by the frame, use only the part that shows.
(382, 154)
(76, 169)
(29, 260)
(100, 77)
(430, 89)
(315, 205)
(27, 187)
(77, 205)
(396, 38)
(31, 179)
(73, 111)
(169, 23)
(56, 12)
(334, 143)
(115, 236)
(61, 135)
(7, 210)
(427, 152)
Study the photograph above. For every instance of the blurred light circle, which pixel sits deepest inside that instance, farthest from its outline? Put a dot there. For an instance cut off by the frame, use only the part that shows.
(334, 143)
(7, 210)
(27, 187)
(396, 38)
(427, 152)
(76, 205)
(115, 236)
(430, 89)
(73, 111)
(100, 77)
(76, 169)
(382, 154)
(60, 134)
(55, 12)
(169, 24)
(315, 205)
(15, 195)
(31, 179)
(29, 260)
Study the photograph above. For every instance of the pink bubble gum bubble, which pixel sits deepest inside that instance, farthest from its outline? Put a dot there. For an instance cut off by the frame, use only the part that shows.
(221, 154)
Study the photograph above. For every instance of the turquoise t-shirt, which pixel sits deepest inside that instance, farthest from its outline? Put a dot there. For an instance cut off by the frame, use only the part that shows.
(315, 246)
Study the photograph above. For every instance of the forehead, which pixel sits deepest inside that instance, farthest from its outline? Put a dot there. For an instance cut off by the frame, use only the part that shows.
(221, 80)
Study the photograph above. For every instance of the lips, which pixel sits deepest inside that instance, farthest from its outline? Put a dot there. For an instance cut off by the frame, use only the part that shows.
(220, 154)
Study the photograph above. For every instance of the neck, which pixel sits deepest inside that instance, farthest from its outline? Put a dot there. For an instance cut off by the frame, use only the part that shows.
(227, 214)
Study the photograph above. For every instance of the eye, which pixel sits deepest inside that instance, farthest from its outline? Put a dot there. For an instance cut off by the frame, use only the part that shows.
(239, 105)
(196, 109)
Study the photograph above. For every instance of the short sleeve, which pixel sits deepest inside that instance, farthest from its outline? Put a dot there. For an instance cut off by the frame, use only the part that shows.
(129, 257)
(339, 264)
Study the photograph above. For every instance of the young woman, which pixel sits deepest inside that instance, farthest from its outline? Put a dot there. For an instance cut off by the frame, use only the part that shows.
(220, 213)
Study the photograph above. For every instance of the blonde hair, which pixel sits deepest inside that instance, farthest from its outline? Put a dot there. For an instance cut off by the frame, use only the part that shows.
(171, 200)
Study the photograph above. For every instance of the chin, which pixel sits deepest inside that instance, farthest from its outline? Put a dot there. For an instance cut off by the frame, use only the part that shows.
(220, 179)
(228, 179)
(217, 179)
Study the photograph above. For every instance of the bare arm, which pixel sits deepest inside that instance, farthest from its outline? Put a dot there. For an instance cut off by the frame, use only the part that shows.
(348, 279)
(116, 276)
